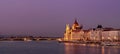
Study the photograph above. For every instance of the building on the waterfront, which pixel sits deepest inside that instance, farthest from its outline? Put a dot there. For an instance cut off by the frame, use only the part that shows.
(74, 33)
(105, 34)
(77, 33)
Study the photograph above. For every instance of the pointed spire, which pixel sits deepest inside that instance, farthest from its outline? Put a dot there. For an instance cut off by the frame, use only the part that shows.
(67, 27)
(76, 25)
(76, 22)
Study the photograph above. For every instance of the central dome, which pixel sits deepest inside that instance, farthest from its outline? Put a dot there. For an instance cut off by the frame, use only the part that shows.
(76, 25)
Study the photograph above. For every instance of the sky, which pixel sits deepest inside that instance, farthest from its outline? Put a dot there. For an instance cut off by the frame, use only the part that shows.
(48, 17)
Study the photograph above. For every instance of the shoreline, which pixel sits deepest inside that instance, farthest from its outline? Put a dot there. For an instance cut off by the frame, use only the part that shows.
(95, 43)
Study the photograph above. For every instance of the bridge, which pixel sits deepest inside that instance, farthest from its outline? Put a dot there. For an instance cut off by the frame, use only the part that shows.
(28, 38)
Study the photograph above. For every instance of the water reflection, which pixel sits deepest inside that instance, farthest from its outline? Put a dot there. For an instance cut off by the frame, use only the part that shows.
(71, 48)
(103, 51)
(110, 50)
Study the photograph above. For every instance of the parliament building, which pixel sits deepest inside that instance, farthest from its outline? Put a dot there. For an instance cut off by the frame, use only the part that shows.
(77, 33)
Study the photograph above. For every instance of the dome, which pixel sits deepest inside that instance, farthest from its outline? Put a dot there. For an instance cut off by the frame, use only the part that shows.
(76, 25)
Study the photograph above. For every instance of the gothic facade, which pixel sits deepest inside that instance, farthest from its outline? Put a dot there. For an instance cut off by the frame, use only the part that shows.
(77, 33)
(73, 33)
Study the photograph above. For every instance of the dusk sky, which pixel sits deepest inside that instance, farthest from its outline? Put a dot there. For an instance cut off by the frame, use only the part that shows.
(49, 17)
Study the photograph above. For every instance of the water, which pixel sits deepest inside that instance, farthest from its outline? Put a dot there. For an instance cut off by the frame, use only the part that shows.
(53, 47)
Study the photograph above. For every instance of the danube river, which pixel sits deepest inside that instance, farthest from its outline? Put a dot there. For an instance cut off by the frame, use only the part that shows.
(53, 47)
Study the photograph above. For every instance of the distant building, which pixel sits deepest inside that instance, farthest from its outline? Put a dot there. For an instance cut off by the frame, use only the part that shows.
(111, 35)
(76, 33)
(104, 34)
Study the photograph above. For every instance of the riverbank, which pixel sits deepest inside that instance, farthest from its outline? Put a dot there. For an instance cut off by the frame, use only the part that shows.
(93, 42)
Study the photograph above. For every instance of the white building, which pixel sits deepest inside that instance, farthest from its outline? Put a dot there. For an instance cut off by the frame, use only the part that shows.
(104, 35)
(110, 35)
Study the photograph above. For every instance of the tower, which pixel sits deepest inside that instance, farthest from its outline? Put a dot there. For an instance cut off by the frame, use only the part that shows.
(76, 25)
(67, 27)
(67, 32)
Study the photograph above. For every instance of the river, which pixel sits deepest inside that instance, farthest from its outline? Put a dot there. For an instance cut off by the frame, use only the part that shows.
(53, 47)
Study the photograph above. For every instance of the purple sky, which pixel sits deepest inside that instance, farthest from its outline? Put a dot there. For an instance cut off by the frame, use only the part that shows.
(48, 17)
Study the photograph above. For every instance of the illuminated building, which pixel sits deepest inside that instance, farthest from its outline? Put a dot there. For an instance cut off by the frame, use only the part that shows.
(104, 34)
(111, 35)
(76, 33)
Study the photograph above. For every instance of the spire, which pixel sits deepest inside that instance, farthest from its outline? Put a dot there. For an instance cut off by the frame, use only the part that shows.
(76, 23)
(67, 27)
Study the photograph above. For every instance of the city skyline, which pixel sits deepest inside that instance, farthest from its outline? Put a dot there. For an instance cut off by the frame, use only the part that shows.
(48, 18)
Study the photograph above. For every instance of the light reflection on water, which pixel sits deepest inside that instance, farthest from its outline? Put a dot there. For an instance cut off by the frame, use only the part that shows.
(53, 47)
(71, 48)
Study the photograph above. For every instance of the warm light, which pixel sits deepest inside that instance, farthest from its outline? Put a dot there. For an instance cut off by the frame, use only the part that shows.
(109, 38)
(103, 50)
(59, 39)
(102, 38)
(94, 38)
(115, 37)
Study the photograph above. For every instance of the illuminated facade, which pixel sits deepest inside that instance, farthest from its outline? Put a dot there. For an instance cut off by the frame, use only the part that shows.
(105, 34)
(76, 33)
(111, 35)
